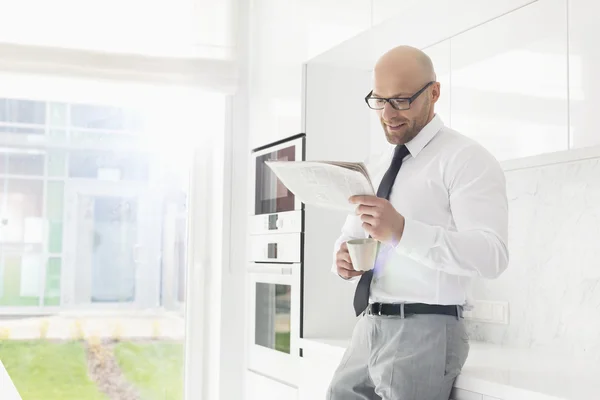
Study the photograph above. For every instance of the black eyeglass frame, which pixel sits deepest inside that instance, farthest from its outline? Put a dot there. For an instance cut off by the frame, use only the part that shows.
(389, 100)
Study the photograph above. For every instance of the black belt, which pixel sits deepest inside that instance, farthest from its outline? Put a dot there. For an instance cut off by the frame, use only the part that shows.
(412, 308)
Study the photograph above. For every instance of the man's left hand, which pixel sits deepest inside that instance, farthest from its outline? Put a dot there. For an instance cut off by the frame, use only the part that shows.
(380, 218)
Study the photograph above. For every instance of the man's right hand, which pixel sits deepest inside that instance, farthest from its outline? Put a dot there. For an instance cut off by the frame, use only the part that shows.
(344, 263)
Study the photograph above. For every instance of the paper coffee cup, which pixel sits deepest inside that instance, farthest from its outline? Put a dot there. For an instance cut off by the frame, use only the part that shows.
(363, 253)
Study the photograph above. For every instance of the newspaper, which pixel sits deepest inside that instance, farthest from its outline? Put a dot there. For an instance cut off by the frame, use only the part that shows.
(327, 184)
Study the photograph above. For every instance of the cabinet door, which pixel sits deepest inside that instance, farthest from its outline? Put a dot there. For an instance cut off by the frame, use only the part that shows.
(584, 61)
(466, 13)
(440, 56)
(461, 394)
(316, 374)
(387, 9)
(259, 387)
(509, 82)
(285, 34)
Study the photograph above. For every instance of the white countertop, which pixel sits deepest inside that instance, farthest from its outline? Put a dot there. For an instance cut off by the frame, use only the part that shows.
(512, 373)
(7, 389)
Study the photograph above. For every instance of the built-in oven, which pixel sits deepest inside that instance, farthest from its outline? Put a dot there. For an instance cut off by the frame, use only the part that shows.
(270, 195)
(275, 266)
(274, 325)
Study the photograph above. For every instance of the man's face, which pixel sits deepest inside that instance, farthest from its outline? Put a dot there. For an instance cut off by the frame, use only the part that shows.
(401, 126)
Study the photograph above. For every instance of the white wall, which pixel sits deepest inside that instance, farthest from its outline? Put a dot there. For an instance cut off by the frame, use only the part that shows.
(553, 281)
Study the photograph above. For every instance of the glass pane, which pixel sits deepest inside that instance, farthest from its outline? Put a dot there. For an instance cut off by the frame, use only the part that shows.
(272, 325)
(91, 139)
(15, 162)
(57, 163)
(26, 164)
(22, 130)
(52, 291)
(107, 165)
(271, 195)
(55, 236)
(21, 211)
(3, 163)
(57, 133)
(20, 280)
(22, 111)
(106, 240)
(55, 199)
(58, 114)
(104, 118)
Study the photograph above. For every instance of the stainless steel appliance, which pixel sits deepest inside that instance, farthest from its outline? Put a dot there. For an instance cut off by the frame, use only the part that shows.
(275, 266)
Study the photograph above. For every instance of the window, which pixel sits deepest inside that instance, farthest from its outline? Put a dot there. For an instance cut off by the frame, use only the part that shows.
(22, 116)
(93, 220)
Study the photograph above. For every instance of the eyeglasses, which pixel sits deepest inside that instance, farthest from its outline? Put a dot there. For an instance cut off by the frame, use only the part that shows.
(398, 103)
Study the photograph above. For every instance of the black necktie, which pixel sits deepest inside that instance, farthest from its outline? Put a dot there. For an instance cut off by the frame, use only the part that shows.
(361, 296)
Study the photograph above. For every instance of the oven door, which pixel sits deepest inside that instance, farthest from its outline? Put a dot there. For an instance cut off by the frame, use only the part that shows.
(274, 325)
(270, 195)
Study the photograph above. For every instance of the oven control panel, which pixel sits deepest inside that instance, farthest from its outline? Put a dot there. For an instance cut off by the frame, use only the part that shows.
(283, 248)
(286, 222)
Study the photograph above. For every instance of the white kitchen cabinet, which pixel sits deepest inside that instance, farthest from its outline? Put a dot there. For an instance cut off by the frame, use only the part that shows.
(584, 62)
(386, 9)
(328, 23)
(316, 374)
(284, 35)
(337, 128)
(440, 56)
(259, 387)
(8, 391)
(509, 81)
(464, 14)
(462, 394)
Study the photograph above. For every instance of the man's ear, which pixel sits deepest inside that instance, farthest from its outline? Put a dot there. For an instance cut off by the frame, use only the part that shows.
(435, 92)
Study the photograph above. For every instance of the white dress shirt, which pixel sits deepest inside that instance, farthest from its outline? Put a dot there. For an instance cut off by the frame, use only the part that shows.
(452, 194)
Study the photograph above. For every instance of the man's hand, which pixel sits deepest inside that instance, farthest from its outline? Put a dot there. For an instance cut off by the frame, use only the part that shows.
(380, 218)
(344, 263)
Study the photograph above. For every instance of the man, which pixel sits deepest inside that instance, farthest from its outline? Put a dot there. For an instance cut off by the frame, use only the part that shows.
(441, 217)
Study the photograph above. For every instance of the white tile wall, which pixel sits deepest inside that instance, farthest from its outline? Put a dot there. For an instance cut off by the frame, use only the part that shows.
(553, 280)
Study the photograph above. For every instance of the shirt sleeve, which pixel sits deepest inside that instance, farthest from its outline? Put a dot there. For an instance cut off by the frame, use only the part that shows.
(479, 207)
(352, 229)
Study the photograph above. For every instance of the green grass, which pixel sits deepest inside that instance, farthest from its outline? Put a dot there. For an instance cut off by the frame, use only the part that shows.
(156, 369)
(282, 341)
(49, 371)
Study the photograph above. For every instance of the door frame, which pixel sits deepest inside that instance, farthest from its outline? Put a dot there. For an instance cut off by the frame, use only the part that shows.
(73, 189)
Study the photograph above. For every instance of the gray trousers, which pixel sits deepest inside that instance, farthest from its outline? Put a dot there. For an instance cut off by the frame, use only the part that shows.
(394, 358)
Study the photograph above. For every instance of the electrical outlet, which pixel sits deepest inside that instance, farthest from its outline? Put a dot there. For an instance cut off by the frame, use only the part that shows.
(489, 311)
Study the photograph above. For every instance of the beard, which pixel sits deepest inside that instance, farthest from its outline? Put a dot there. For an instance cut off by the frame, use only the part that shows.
(409, 130)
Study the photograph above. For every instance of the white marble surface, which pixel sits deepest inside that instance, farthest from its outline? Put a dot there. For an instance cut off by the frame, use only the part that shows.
(553, 280)
(510, 373)
(7, 388)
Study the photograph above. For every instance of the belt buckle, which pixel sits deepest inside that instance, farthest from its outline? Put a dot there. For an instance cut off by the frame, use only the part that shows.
(379, 307)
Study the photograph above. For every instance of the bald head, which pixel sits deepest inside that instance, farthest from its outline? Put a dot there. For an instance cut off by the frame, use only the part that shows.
(401, 73)
(406, 62)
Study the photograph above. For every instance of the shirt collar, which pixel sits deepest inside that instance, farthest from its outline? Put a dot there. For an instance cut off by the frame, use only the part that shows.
(425, 135)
